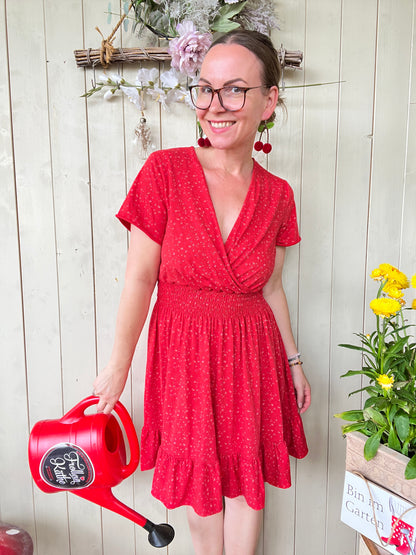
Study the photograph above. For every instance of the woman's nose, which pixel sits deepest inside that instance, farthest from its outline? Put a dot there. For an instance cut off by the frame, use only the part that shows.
(216, 103)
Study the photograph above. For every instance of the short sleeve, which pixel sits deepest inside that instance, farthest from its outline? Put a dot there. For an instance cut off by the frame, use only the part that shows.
(288, 233)
(146, 204)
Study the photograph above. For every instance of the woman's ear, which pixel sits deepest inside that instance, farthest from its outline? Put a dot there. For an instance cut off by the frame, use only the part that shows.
(272, 98)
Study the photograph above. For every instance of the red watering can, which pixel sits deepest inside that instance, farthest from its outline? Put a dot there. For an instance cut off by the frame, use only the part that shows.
(86, 455)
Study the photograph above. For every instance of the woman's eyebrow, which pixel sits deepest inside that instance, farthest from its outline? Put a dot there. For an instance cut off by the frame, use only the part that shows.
(226, 82)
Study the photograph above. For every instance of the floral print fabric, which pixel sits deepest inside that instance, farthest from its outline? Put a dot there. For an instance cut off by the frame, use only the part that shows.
(220, 411)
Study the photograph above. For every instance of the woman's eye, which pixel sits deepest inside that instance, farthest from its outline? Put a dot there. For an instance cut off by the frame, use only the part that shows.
(236, 90)
(205, 90)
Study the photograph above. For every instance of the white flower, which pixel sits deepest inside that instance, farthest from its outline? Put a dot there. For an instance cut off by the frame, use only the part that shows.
(147, 77)
(159, 95)
(231, 1)
(116, 78)
(109, 94)
(177, 95)
(171, 78)
(133, 95)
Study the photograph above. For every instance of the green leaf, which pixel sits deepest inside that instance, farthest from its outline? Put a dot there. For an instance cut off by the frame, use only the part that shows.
(372, 444)
(357, 427)
(410, 472)
(370, 402)
(373, 414)
(369, 373)
(353, 347)
(393, 441)
(350, 415)
(230, 10)
(224, 25)
(402, 423)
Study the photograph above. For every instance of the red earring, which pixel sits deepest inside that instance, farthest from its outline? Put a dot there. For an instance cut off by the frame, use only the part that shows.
(259, 145)
(204, 142)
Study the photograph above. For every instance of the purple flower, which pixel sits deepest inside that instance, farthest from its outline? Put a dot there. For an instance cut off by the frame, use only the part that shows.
(188, 50)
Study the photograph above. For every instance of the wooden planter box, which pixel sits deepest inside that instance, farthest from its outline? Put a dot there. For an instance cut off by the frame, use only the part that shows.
(386, 469)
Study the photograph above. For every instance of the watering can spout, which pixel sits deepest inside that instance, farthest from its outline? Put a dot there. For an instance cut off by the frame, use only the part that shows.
(160, 535)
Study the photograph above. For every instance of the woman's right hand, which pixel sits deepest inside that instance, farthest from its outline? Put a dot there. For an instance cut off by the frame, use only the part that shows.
(108, 386)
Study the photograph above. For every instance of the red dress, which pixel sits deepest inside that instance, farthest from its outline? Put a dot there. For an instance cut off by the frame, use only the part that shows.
(220, 414)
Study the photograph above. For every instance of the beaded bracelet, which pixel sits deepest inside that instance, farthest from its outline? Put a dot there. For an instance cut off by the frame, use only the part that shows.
(296, 363)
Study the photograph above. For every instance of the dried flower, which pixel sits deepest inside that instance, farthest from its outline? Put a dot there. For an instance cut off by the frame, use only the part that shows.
(188, 50)
(258, 15)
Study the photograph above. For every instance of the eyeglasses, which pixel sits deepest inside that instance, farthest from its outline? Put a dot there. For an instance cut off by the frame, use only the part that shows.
(231, 98)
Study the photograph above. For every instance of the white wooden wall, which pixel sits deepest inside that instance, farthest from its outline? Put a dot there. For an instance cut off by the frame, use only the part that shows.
(349, 152)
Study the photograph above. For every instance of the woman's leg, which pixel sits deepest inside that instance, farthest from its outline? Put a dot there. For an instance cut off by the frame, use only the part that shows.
(207, 532)
(241, 527)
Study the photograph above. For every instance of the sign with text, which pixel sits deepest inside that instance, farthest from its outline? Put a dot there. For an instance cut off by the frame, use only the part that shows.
(367, 507)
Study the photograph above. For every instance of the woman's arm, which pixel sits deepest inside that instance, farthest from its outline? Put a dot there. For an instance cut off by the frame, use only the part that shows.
(275, 296)
(142, 271)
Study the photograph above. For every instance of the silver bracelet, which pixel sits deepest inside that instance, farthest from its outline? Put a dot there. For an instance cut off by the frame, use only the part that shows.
(294, 357)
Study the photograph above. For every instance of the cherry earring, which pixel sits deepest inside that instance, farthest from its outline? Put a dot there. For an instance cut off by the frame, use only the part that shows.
(259, 145)
(202, 141)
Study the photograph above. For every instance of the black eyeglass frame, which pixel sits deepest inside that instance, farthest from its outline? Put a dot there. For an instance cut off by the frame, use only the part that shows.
(218, 92)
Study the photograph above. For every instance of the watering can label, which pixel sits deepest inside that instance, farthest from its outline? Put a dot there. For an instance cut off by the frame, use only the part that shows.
(67, 466)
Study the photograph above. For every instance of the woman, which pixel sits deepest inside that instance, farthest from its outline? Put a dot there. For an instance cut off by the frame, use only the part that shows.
(224, 381)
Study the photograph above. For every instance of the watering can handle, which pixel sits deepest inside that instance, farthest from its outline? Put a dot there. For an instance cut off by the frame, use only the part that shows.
(78, 411)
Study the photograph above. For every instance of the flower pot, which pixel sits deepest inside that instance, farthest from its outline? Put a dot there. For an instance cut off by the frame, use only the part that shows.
(386, 469)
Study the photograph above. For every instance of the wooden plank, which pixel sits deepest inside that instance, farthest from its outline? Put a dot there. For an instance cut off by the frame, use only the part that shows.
(390, 121)
(408, 251)
(37, 240)
(16, 502)
(323, 22)
(285, 161)
(105, 122)
(70, 175)
(349, 252)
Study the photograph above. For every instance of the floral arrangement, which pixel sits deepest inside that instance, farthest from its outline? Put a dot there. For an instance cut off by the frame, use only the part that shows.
(389, 362)
(209, 16)
(189, 26)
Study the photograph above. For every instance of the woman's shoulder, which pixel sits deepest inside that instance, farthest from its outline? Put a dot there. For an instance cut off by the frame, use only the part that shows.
(173, 155)
(273, 182)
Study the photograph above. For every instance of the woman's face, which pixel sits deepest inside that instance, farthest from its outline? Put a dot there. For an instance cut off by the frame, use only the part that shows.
(226, 65)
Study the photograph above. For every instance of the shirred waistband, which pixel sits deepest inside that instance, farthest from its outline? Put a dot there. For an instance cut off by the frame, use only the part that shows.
(208, 301)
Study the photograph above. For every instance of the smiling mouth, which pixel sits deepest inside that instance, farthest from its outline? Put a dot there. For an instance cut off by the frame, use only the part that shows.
(221, 124)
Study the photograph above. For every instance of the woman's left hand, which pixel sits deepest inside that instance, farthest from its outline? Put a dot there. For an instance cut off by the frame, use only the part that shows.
(302, 388)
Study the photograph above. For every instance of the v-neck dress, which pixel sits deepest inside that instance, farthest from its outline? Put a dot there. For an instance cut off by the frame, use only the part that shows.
(220, 414)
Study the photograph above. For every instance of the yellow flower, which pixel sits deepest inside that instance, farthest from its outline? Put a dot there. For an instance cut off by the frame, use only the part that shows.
(385, 307)
(414, 304)
(394, 276)
(385, 381)
(376, 274)
(414, 281)
(393, 291)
